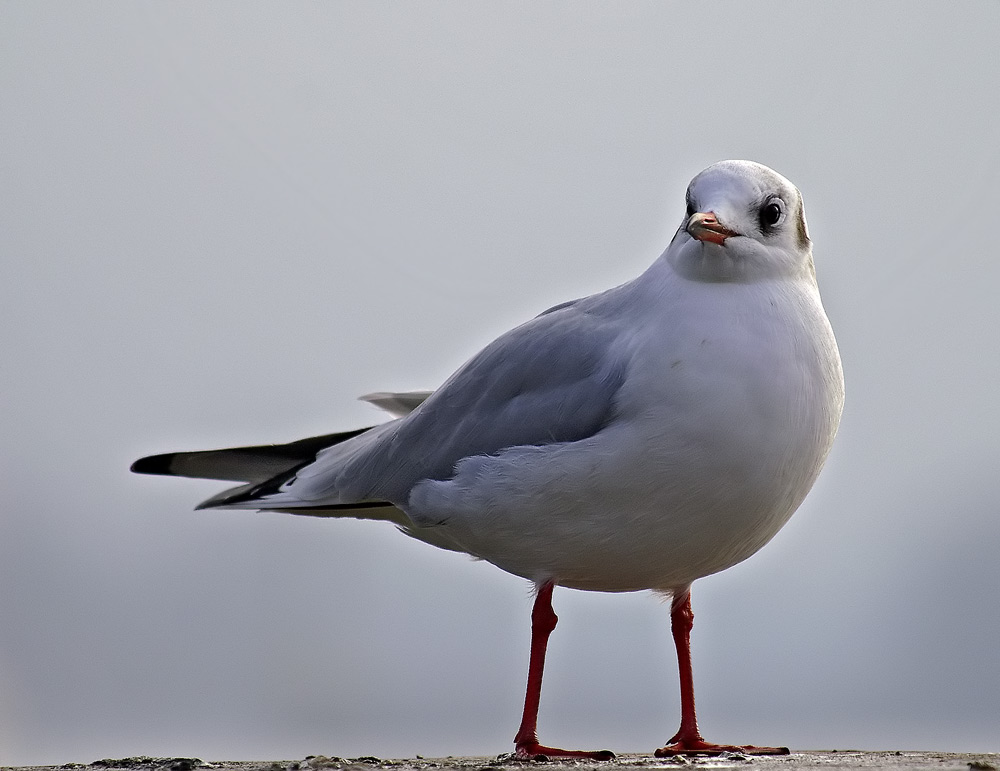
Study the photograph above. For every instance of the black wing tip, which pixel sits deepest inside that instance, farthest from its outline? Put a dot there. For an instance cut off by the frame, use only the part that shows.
(236, 495)
(154, 464)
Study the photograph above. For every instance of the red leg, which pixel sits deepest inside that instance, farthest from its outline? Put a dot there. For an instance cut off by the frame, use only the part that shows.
(687, 740)
(543, 621)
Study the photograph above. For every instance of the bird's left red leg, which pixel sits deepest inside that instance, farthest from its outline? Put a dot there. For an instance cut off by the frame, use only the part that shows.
(543, 621)
(688, 740)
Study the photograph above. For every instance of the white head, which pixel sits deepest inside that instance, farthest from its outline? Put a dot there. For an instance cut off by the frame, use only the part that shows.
(744, 222)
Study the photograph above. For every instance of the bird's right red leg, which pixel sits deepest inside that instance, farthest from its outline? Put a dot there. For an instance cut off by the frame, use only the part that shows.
(688, 740)
(543, 621)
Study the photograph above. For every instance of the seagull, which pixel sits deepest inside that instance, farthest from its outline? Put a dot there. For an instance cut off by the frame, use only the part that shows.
(636, 439)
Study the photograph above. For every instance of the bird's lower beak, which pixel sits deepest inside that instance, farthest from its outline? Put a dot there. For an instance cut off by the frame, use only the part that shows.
(706, 227)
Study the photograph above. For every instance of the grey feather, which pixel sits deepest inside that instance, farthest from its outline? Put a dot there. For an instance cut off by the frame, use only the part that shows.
(397, 404)
(550, 380)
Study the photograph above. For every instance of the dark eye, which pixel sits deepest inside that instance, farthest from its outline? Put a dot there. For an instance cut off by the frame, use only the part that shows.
(690, 207)
(771, 214)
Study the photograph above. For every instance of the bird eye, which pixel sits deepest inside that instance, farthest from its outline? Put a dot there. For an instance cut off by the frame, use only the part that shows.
(690, 207)
(771, 214)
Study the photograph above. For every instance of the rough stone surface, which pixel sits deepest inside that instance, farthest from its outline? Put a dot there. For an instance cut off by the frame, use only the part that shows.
(825, 760)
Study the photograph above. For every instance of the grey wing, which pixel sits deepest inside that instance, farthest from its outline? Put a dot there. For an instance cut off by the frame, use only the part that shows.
(550, 380)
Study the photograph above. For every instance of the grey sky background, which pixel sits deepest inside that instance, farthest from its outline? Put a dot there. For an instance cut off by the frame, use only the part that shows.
(220, 223)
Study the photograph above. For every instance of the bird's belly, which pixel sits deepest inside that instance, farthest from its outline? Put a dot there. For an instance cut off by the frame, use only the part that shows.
(610, 514)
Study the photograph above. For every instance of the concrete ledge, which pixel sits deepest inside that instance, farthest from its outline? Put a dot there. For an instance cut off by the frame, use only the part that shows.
(828, 760)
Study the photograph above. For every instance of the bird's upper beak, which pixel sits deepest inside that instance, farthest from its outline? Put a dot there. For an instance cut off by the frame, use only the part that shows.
(706, 227)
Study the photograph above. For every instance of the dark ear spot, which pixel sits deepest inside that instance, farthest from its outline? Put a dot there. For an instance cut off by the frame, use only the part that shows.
(802, 234)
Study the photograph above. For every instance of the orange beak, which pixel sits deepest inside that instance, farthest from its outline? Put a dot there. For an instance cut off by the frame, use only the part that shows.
(705, 227)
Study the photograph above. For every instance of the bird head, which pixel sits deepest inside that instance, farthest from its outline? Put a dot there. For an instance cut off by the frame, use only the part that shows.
(744, 222)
